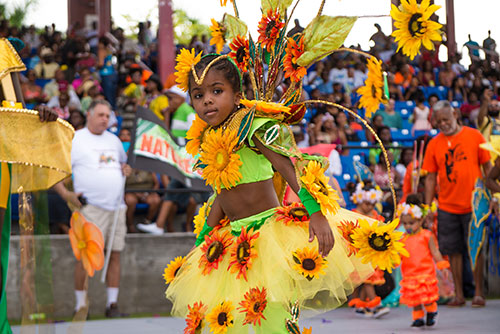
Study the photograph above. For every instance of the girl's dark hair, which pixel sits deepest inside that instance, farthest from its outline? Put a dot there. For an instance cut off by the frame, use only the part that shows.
(414, 199)
(224, 65)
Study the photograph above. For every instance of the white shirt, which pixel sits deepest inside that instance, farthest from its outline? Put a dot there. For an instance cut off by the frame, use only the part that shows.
(97, 174)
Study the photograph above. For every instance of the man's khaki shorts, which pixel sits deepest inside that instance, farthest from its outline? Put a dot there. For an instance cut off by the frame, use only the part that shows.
(104, 220)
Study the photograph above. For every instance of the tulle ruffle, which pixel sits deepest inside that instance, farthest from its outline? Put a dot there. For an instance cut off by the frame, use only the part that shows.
(419, 290)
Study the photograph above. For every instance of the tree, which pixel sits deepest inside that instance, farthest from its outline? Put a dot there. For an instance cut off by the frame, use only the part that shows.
(17, 14)
(186, 27)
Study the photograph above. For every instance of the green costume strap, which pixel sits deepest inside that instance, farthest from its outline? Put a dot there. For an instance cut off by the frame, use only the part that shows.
(309, 202)
(205, 231)
(4, 204)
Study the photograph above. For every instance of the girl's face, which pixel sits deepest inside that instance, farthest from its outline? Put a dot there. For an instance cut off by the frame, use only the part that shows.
(214, 100)
(366, 207)
(410, 224)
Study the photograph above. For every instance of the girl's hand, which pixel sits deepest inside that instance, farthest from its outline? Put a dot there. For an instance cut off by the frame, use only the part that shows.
(319, 228)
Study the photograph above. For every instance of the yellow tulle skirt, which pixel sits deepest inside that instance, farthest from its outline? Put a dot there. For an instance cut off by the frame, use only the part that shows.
(273, 264)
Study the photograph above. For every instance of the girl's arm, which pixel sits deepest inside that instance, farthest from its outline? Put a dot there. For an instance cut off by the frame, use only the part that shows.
(216, 213)
(318, 225)
(436, 254)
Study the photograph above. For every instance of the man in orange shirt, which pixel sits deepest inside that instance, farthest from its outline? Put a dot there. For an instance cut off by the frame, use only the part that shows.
(453, 160)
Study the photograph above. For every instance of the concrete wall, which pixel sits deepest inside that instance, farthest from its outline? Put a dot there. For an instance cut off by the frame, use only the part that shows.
(142, 287)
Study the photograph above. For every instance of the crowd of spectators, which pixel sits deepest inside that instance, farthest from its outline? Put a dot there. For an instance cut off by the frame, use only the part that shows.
(67, 71)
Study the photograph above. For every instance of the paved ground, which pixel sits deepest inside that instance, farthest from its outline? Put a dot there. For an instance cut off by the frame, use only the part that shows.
(459, 320)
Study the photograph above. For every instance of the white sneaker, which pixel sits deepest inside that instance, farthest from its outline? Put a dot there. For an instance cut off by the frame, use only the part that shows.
(380, 311)
(150, 228)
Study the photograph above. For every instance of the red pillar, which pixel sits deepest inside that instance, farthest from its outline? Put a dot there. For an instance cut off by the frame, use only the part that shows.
(103, 10)
(166, 47)
(451, 42)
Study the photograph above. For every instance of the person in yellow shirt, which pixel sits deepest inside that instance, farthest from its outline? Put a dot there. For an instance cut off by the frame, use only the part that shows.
(155, 100)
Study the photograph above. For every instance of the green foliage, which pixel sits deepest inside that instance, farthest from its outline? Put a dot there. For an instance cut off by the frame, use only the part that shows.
(17, 14)
(185, 27)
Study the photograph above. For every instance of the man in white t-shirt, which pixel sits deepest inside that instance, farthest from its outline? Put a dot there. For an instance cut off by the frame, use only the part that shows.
(98, 163)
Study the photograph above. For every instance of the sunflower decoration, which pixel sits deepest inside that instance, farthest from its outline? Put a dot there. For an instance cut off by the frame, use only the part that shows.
(185, 59)
(379, 244)
(214, 248)
(221, 317)
(195, 135)
(316, 183)
(224, 2)
(293, 52)
(243, 253)
(266, 107)
(307, 330)
(414, 27)
(218, 32)
(200, 218)
(240, 52)
(293, 214)
(194, 319)
(309, 262)
(222, 164)
(347, 228)
(253, 305)
(372, 93)
(269, 28)
(172, 269)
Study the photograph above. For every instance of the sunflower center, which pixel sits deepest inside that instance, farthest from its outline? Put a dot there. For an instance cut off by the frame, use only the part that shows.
(81, 244)
(374, 91)
(240, 54)
(221, 159)
(176, 270)
(299, 213)
(243, 252)
(222, 318)
(214, 251)
(379, 242)
(199, 325)
(415, 26)
(322, 187)
(256, 307)
(269, 28)
(308, 264)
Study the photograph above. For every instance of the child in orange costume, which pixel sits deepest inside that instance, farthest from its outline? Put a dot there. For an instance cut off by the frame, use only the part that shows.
(419, 284)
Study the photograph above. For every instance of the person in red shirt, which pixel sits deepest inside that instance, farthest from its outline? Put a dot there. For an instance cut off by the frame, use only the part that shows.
(453, 160)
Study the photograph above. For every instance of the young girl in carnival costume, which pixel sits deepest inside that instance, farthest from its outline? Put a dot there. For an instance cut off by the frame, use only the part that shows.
(419, 286)
(365, 300)
(256, 263)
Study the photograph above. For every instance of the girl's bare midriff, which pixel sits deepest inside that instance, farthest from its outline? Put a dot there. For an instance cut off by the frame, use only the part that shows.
(248, 199)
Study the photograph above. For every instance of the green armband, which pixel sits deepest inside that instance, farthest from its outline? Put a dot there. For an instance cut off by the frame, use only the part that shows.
(205, 231)
(309, 202)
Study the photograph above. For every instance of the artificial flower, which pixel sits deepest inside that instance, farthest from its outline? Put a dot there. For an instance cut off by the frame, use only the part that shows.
(87, 243)
(253, 305)
(414, 27)
(293, 214)
(373, 195)
(347, 228)
(243, 252)
(372, 93)
(222, 164)
(266, 107)
(379, 244)
(199, 220)
(409, 209)
(292, 53)
(309, 262)
(195, 134)
(224, 2)
(185, 59)
(269, 29)
(172, 269)
(194, 319)
(316, 183)
(221, 318)
(214, 248)
(240, 52)
(218, 31)
(307, 330)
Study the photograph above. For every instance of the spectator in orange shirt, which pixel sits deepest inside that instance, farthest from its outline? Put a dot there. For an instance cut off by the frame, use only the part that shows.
(404, 75)
(453, 160)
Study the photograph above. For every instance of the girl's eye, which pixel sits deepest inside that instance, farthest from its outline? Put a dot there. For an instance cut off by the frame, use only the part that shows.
(197, 96)
(217, 91)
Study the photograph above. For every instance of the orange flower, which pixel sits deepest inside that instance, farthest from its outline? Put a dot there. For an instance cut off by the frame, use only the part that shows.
(242, 253)
(195, 134)
(347, 228)
(253, 305)
(87, 243)
(269, 28)
(214, 248)
(224, 2)
(293, 214)
(293, 52)
(240, 52)
(222, 223)
(194, 319)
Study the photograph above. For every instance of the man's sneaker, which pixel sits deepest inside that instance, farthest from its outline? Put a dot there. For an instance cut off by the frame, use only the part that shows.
(150, 228)
(431, 318)
(112, 311)
(364, 312)
(380, 311)
(418, 323)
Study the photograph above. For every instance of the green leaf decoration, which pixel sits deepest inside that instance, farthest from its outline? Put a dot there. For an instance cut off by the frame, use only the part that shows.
(323, 35)
(282, 5)
(271, 134)
(292, 327)
(234, 26)
(245, 125)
